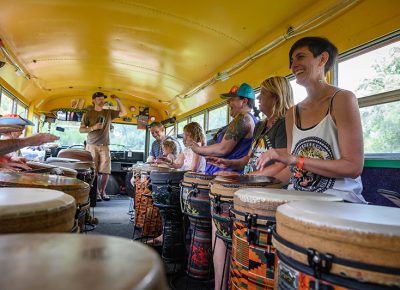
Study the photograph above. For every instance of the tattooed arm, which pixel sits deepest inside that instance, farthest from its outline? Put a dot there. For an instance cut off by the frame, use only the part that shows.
(241, 127)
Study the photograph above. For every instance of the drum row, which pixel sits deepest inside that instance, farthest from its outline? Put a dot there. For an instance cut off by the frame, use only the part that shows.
(278, 238)
(40, 208)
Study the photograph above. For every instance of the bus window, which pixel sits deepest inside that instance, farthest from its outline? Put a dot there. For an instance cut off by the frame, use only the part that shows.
(374, 77)
(180, 126)
(199, 119)
(373, 72)
(217, 118)
(6, 104)
(127, 137)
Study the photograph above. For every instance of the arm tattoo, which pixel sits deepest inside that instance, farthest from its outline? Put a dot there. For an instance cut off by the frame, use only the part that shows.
(237, 128)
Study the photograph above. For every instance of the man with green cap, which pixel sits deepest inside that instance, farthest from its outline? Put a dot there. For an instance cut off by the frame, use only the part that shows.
(234, 142)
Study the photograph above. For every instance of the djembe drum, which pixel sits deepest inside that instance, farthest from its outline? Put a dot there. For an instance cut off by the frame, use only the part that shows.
(79, 262)
(323, 245)
(221, 196)
(195, 203)
(166, 196)
(45, 168)
(147, 217)
(253, 256)
(36, 210)
(78, 189)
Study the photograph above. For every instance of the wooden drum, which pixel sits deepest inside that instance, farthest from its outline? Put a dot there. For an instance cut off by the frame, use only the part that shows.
(78, 262)
(195, 203)
(324, 245)
(221, 196)
(38, 167)
(253, 256)
(30, 210)
(72, 186)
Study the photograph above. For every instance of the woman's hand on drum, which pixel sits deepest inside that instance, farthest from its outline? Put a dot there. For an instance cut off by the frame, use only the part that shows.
(270, 156)
(218, 162)
(14, 166)
(226, 173)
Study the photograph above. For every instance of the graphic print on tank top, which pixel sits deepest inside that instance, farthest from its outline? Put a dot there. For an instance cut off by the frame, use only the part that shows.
(262, 144)
(317, 148)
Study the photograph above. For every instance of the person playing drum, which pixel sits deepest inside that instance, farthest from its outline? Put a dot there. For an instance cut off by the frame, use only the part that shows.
(188, 160)
(324, 135)
(275, 99)
(235, 141)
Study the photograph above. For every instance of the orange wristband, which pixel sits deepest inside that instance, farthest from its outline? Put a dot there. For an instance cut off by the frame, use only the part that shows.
(300, 166)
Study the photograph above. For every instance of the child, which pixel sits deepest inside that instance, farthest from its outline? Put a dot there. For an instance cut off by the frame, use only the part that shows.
(188, 160)
(169, 149)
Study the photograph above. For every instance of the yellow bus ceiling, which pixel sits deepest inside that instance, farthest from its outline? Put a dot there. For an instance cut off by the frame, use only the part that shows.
(151, 52)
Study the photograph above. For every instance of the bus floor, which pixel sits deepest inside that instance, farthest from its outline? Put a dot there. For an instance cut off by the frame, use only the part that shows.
(114, 220)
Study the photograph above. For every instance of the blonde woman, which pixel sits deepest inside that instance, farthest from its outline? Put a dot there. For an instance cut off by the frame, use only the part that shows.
(275, 99)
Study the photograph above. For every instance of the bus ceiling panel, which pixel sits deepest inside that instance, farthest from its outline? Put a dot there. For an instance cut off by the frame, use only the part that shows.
(158, 52)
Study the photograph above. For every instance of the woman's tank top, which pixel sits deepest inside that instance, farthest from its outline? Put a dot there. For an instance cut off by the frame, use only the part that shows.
(321, 141)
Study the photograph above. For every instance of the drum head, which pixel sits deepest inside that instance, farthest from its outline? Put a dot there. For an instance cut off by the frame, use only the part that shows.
(62, 261)
(246, 179)
(35, 210)
(367, 236)
(265, 201)
(12, 179)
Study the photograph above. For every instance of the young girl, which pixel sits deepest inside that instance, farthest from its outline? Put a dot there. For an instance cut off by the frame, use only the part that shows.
(169, 149)
(188, 160)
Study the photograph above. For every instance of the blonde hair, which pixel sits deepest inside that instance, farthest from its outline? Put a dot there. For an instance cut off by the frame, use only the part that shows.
(171, 145)
(281, 88)
(196, 132)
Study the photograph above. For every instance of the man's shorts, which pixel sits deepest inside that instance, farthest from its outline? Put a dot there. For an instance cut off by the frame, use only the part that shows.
(101, 157)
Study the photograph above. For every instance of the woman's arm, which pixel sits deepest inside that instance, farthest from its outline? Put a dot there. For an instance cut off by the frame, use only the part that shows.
(228, 163)
(241, 127)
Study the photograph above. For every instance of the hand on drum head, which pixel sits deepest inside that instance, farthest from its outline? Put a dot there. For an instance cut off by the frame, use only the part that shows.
(271, 155)
(226, 173)
(14, 166)
(218, 162)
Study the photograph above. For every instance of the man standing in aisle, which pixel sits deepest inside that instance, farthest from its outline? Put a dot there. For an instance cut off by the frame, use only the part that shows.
(96, 123)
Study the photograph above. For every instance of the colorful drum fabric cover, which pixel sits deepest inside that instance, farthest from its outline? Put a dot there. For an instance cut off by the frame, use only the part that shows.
(195, 203)
(29, 210)
(147, 216)
(221, 196)
(79, 262)
(348, 245)
(166, 196)
(195, 189)
(72, 186)
(253, 256)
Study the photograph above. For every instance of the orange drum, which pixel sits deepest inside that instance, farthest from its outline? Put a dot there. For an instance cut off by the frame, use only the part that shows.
(147, 216)
(78, 262)
(253, 256)
(221, 196)
(30, 210)
(72, 186)
(336, 246)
